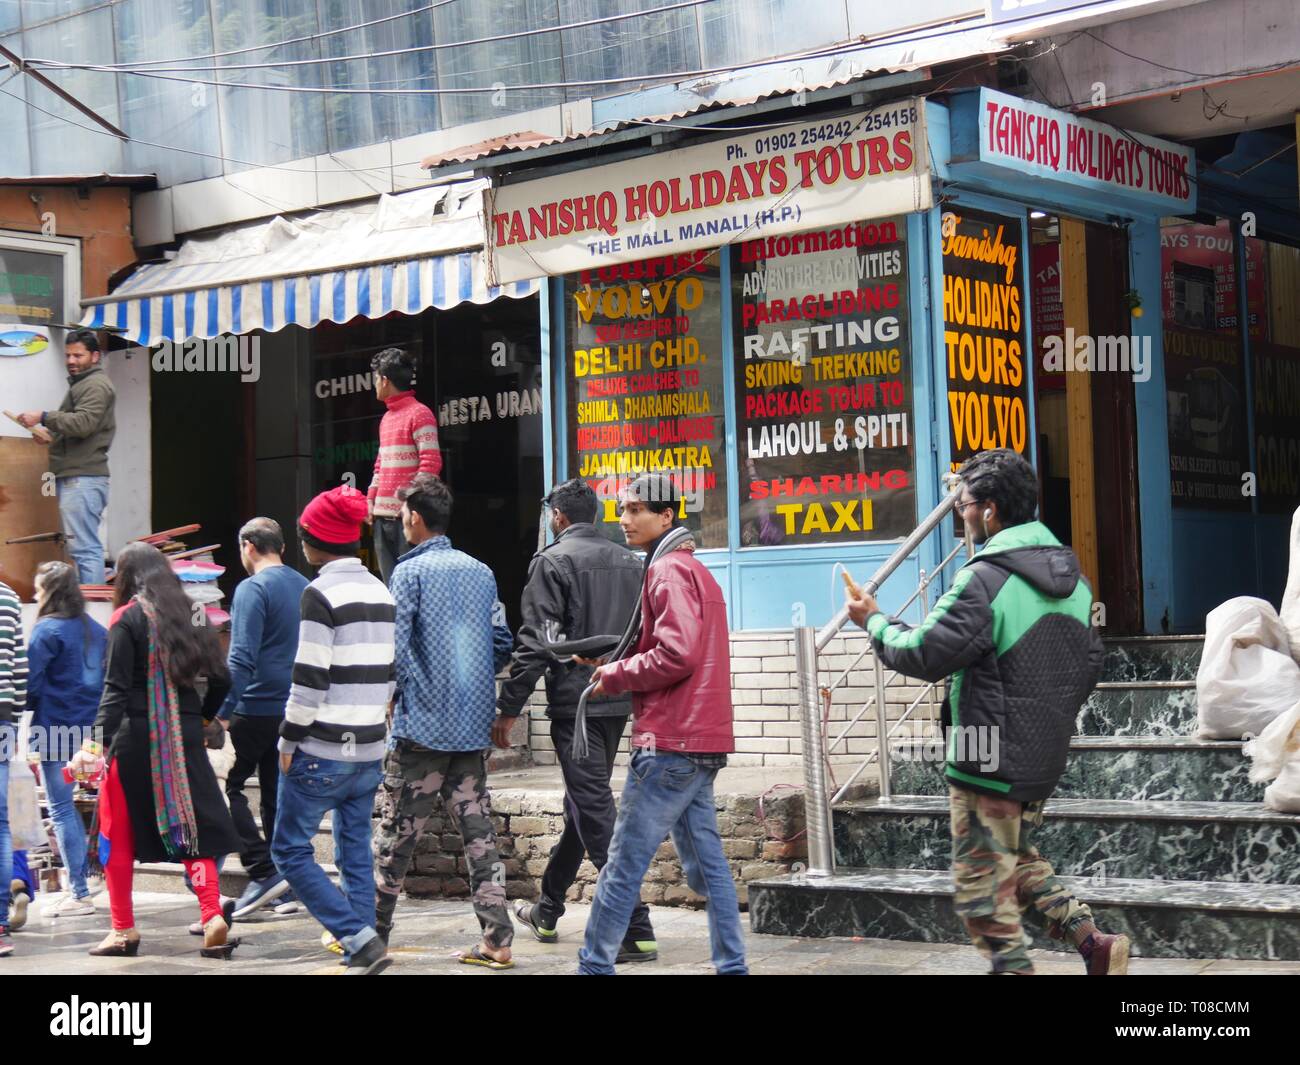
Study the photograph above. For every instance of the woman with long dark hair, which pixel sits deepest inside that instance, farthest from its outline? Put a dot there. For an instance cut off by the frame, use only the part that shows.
(65, 679)
(160, 801)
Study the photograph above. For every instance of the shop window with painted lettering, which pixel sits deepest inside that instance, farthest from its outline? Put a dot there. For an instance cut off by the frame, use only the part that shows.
(1275, 320)
(1205, 383)
(984, 334)
(644, 385)
(823, 386)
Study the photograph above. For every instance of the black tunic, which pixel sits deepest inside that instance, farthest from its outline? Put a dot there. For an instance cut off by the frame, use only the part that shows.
(124, 719)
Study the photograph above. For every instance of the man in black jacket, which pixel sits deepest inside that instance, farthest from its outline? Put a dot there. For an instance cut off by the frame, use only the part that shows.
(1014, 636)
(587, 585)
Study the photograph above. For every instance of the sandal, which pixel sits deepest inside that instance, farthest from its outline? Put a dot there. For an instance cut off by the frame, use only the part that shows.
(476, 956)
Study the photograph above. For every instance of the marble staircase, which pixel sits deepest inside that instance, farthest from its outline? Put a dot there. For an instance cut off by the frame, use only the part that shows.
(1162, 834)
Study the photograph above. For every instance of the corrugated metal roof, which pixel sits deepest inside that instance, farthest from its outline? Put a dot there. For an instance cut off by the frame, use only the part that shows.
(885, 57)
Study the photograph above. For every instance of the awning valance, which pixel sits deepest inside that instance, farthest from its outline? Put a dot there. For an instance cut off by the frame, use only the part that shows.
(409, 286)
(401, 252)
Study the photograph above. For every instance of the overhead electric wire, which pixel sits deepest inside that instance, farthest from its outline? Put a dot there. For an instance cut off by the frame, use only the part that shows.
(154, 67)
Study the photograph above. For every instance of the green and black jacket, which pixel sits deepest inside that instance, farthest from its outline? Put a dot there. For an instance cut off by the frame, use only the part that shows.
(1015, 635)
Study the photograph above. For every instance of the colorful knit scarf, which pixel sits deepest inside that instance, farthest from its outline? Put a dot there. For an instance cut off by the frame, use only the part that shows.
(172, 801)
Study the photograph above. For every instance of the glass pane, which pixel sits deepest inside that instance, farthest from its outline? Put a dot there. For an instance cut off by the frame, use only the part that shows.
(521, 61)
(643, 380)
(58, 146)
(38, 11)
(10, 15)
(656, 44)
(355, 120)
(265, 127)
(1205, 381)
(735, 31)
(824, 420)
(168, 112)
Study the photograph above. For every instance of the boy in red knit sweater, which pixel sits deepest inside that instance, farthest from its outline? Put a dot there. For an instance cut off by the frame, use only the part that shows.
(408, 444)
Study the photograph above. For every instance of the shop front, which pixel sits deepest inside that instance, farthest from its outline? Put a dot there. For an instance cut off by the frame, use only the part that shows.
(259, 342)
(746, 317)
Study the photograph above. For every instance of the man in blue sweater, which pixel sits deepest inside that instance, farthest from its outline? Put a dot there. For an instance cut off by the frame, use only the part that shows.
(263, 641)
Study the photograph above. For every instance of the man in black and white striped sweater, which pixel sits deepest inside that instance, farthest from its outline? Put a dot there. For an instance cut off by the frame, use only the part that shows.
(335, 728)
(13, 700)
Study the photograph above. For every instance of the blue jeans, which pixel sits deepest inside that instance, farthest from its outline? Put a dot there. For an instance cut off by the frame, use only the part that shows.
(8, 742)
(313, 787)
(665, 794)
(81, 504)
(69, 829)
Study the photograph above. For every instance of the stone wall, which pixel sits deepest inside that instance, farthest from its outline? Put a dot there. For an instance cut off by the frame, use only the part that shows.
(528, 825)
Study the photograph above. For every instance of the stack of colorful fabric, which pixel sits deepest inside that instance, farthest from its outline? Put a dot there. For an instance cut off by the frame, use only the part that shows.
(199, 577)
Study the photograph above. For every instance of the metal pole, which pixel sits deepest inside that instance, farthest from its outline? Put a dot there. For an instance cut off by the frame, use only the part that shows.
(901, 552)
(817, 810)
(882, 731)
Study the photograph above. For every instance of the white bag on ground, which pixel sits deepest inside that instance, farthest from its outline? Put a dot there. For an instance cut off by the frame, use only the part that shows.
(24, 811)
(1275, 754)
(1290, 612)
(1247, 676)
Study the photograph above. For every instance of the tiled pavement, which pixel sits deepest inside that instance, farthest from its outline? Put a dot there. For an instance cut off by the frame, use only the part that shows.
(427, 932)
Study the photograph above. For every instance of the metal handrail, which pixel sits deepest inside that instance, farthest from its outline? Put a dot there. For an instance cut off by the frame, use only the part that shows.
(809, 643)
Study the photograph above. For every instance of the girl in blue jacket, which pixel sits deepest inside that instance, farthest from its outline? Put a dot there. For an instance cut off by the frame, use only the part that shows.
(65, 680)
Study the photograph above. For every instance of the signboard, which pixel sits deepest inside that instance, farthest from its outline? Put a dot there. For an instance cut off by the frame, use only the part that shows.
(824, 388)
(1205, 391)
(1049, 312)
(814, 175)
(31, 300)
(984, 334)
(1038, 140)
(643, 374)
(1277, 412)
(1199, 268)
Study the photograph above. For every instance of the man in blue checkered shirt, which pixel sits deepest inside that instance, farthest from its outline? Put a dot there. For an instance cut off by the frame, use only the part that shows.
(451, 640)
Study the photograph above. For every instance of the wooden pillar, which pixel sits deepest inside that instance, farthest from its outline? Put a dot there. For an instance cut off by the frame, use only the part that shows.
(1078, 400)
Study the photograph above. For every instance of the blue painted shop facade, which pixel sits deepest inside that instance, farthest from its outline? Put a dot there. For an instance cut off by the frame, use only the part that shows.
(820, 361)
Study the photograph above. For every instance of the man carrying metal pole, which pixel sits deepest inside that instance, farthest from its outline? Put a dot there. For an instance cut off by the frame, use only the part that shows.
(1014, 635)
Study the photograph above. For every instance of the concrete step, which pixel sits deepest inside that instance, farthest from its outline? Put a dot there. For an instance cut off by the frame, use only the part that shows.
(1163, 918)
(1162, 768)
(1221, 841)
(165, 876)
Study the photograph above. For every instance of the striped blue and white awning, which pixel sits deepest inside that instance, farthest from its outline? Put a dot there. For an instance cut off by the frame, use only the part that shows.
(161, 302)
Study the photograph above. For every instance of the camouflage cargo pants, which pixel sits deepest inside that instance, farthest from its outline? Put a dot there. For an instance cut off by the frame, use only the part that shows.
(414, 777)
(999, 875)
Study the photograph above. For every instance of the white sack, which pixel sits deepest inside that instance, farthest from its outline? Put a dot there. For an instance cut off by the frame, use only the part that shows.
(1247, 676)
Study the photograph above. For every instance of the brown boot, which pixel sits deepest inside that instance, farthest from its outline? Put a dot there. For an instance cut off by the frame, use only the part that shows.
(1104, 955)
(119, 943)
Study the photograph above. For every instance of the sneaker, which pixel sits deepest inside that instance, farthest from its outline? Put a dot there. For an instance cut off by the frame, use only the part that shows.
(1106, 955)
(70, 906)
(637, 950)
(288, 903)
(6, 944)
(18, 909)
(330, 943)
(530, 914)
(369, 960)
(260, 893)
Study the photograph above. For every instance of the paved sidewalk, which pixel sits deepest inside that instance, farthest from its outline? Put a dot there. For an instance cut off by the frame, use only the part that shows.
(428, 931)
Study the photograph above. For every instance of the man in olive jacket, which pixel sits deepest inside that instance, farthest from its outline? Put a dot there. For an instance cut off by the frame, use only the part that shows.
(588, 586)
(1014, 636)
(82, 430)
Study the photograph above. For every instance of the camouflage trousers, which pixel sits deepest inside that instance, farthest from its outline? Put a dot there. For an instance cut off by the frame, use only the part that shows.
(414, 778)
(999, 875)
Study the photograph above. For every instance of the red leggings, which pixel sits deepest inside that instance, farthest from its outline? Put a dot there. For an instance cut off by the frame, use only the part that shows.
(119, 870)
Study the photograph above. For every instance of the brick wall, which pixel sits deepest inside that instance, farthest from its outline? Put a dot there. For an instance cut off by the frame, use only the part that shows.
(765, 694)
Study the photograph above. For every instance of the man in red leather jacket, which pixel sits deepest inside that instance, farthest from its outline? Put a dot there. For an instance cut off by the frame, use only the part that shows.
(680, 680)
